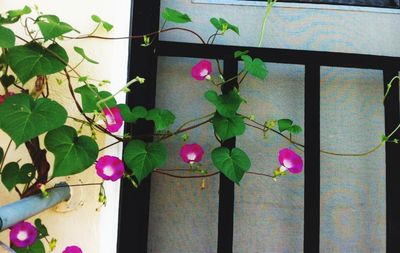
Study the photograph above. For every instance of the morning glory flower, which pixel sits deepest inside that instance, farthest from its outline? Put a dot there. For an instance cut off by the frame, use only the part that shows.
(114, 119)
(290, 161)
(110, 168)
(72, 249)
(23, 234)
(202, 70)
(191, 153)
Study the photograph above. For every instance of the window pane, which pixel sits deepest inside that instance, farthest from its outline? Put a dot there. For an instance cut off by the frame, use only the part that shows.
(372, 3)
(269, 215)
(183, 217)
(353, 215)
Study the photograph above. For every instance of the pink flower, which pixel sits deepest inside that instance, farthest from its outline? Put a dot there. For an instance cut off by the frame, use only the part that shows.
(191, 153)
(110, 168)
(202, 70)
(72, 249)
(23, 234)
(291, 161)
(114, 119)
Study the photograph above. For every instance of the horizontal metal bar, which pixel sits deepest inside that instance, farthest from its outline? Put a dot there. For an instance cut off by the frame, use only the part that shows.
(287, 56)
(25, 208)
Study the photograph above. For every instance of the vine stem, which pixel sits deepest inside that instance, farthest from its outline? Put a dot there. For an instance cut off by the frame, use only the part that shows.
(389, 87)
(268, 11)
(4, 156)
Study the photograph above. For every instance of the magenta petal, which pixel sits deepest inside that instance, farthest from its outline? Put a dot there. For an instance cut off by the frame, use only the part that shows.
(191, 153)
(72, 249)
(114, 119)
(290, 160)
(23, 234)
(110, 168)
(201, 70)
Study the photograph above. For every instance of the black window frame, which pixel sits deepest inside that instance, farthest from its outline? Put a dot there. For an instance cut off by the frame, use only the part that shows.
(392, 4)
(134, 203)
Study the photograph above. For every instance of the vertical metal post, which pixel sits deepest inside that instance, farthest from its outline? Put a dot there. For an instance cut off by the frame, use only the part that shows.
(227, 187)
(312, 159)
(134, 203)
(392, 119)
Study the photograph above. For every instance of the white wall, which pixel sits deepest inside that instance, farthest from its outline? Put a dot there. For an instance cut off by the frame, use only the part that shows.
(95, 231)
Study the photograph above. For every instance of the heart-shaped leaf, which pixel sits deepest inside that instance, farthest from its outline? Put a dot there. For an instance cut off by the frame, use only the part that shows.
(175, 16)
(41, 228)
(13, 175)
(51, 26)
(131, 116)
(226, 105)
(14, 15)
(233, 164)
(143, 158)
(73, 154)
(162, 118)
(90, 97)
(227, 128)
(7, 37)
(223, 25)
(284, 124)
(23, 119)
(82, 53)
(7, 80)
(32, 60)
(255, 67)
(105, 24)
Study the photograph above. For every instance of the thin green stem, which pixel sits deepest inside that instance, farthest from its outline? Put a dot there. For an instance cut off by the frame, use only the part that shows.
(4, 156)
(389, 87)
(267, 12)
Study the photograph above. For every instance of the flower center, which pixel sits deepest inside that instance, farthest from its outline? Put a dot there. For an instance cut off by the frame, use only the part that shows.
(204, 72)
(191, 156)
(110, 119)
(108, 171)
(287, 163)
(22, 235)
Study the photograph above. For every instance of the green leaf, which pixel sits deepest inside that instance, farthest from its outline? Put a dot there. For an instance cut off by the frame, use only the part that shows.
(9, 175)
(13, 175)
(226, 105)
(14, 15)
(51, 26)
(131, 116)
(91, 96)
(81, 52)
(215, 22)
(255, 67)
(162, 118)
(7, 37)
(23, 118)
(73, 154)
(223, 25)
(227, 128)
(239, 53)
(105, 24)
(284, 124)
(31, 60)
(233, 164)
(37, 247)
(7, 80)
(175, 16)
(142, 158)
(41, 228)
(295, 129)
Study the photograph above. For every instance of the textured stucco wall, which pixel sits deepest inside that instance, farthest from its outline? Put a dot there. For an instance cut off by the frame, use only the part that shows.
(95, 231)
(268, 215)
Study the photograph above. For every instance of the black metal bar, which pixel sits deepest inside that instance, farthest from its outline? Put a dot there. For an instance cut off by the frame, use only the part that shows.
(392, 119)
(289, 56)
(134, 203)
(312, 159)
(226, 186)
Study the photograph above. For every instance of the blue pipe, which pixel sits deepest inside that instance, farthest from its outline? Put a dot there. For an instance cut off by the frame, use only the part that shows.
(23, 209)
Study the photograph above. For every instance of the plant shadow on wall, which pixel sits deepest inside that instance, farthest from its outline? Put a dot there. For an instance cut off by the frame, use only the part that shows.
(30, 64)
